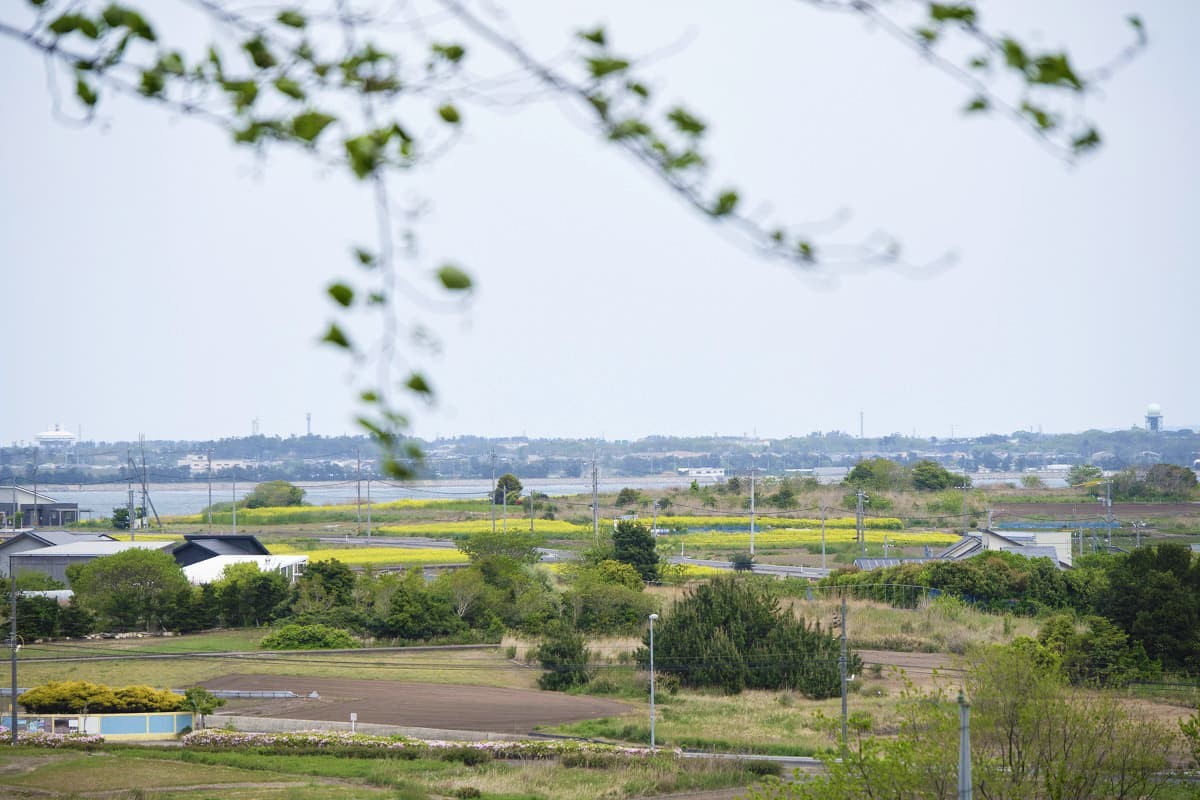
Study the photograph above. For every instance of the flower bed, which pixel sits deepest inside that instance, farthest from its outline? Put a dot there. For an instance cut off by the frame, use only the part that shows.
(365, 746)
(61, 741)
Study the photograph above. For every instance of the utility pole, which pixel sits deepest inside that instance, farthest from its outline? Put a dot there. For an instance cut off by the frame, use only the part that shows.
(493, 503)
(37, 517)
(531, 498)
(823, 508)
(595, 499)
(358, 492)
(235, 500)
(964, 747)
(368, 506)
(654, 525)
(12, 641)
(129, 465)
(209, 454)
(966, 513)
(862, 536)
(842, 662)
(1108, 513)
(753, 470)
(504, 505)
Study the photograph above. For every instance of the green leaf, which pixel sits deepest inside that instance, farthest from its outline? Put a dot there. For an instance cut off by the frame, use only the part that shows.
(454, 278)
(685, 122)
(603, 66)
(86, 94)
(627, 128)
(153, 83)
(116, 16)
(171, 63)
(68, 23)
(363, 153)
(308, 126)
(595, 36)
(292, 18)
(289, 87)
(639, 89)
(979, 103)
(1041, 117)
(342, 294)
(1136, 23)
(806, 251)
(958, 12)
(1014, 54)
(369, 397)
(364, 257)
(726, 202)
(335, 337)
(416, 383)
(1089, 140)
(928, 35)
(1055, 70)
(453, 53)
(256, 130)
(685, 160)
(256, 48)
(244, 93)
(449, 114)
(979, 62)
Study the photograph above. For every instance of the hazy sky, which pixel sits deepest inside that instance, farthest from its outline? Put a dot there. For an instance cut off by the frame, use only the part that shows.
(158, 280)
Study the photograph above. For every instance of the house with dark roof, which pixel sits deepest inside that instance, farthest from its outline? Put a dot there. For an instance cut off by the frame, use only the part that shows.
(198, 547)
(38, 540)
(35, 508)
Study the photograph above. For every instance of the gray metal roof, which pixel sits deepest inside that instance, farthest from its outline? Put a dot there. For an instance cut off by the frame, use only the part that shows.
(95, 549)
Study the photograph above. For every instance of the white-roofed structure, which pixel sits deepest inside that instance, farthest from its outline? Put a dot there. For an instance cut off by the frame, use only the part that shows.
(211, 569)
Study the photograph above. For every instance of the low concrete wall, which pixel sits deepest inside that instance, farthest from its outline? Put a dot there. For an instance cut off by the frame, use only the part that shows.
(274, 725)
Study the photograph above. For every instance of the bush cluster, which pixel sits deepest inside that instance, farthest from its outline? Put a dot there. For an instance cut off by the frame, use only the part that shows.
(732, 634)
(308, 637)
(73, 697)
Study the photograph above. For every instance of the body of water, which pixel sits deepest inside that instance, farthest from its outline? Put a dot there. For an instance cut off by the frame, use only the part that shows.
(171, 499)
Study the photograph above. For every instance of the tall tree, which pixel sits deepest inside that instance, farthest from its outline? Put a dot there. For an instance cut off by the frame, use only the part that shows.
(633, 544)
(130, 589)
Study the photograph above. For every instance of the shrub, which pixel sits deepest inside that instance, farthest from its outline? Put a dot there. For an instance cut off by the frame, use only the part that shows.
(742, 562)
(308, 637)
(732, 634)
(73, 697)
(565, 659)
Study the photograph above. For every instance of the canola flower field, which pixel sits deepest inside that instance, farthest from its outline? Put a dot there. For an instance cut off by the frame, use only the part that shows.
(809, 536)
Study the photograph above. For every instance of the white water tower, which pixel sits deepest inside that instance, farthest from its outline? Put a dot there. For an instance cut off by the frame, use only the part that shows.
(1154, 418)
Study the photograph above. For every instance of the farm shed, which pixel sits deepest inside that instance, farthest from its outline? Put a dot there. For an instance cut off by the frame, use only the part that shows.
(53, 561)
(40, 540)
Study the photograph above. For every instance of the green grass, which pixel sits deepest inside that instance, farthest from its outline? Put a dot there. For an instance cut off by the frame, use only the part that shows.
(140, 771)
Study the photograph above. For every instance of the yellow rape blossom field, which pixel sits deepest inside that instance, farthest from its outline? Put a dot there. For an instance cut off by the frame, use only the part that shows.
(808, 536)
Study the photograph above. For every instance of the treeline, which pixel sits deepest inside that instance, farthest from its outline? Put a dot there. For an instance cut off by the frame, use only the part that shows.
(1151, 595)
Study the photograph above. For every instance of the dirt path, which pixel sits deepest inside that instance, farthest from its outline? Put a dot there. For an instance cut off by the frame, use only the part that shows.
(422, 705)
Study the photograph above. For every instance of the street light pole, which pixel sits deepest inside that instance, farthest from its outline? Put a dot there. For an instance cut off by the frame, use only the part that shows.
(652, 618)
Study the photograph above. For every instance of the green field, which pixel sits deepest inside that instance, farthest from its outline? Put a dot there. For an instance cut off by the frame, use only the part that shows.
(172, 773)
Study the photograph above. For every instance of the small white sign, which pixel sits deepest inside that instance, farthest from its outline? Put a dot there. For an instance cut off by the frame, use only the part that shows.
(353, 716)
